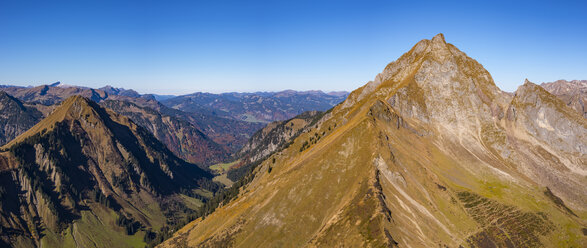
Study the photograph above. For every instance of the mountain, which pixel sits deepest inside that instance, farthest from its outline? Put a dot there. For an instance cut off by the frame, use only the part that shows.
(231, 134)
(120, 91)
(274, 137)
(573, 93)
(180, 136)
(15, 117)
(430, 154)
(261, 107)
(57, 92)
(227, 132)
(87, 177)
(276, 134)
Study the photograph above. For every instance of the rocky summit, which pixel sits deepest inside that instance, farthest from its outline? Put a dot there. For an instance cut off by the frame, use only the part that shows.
(431, 153)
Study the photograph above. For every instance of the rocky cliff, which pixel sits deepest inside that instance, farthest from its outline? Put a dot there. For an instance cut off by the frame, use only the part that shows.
(573, 93)
(180, 136)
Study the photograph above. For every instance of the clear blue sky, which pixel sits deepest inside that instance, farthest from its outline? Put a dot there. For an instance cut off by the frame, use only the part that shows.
(217, 46)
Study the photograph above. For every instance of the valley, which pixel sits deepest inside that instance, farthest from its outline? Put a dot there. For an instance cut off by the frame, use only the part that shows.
(67, 149)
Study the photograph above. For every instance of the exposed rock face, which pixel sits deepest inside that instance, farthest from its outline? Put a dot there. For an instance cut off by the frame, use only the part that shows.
(15, 117)
(276, 135)
(86, 176)
(272, 138)
(555, 154)
(180, 136)
(573, 93)
(228, 132)
(429, 154)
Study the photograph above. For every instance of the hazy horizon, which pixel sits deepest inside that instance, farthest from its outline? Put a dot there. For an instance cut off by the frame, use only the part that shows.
(218, 47)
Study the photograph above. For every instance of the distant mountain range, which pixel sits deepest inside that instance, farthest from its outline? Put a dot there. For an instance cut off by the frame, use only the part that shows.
(260, 107)
(209, 134)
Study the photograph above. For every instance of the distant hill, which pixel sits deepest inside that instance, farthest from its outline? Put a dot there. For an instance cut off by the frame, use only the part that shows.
(263, 107)
(87, 177)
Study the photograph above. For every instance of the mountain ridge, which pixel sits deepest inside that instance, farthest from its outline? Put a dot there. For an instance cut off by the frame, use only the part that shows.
(428, 154)
(252, 107)
(573, 93)
(86, 176)
(15, 117)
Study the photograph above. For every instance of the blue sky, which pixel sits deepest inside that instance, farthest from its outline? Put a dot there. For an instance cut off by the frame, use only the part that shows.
(176, 47)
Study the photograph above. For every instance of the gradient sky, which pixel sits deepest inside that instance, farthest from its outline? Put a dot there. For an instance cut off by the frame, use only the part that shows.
(177, 47)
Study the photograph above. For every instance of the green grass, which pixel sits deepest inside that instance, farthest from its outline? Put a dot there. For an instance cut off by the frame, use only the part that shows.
(222, 167)
(94, 229)
(251, 118)
(224, 180)
(191, 202)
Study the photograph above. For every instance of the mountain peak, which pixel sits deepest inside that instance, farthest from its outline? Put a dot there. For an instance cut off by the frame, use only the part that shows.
(73, 108)
(439, 38)
(77, 105)
(5, 98)
(436, 82)
(76, 99)
(526, 81)
(528, 86)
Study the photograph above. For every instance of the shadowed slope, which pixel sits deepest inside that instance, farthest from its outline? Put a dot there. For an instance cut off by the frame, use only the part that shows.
(86, 176)
(178, 135)
(15, 117)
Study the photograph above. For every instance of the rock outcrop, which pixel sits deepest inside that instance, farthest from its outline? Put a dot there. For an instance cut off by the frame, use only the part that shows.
(573, 93)
(180, 136)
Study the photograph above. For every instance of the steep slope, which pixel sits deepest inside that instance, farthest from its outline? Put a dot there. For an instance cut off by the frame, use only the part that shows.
(275, 136)
(15, 117)
(87, 177)
(228, 132)
(262, 107)
(180, 136)
(573, 93)
(431, 153)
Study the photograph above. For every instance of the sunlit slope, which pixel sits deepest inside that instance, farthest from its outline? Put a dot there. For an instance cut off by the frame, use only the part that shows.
(431, 153)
